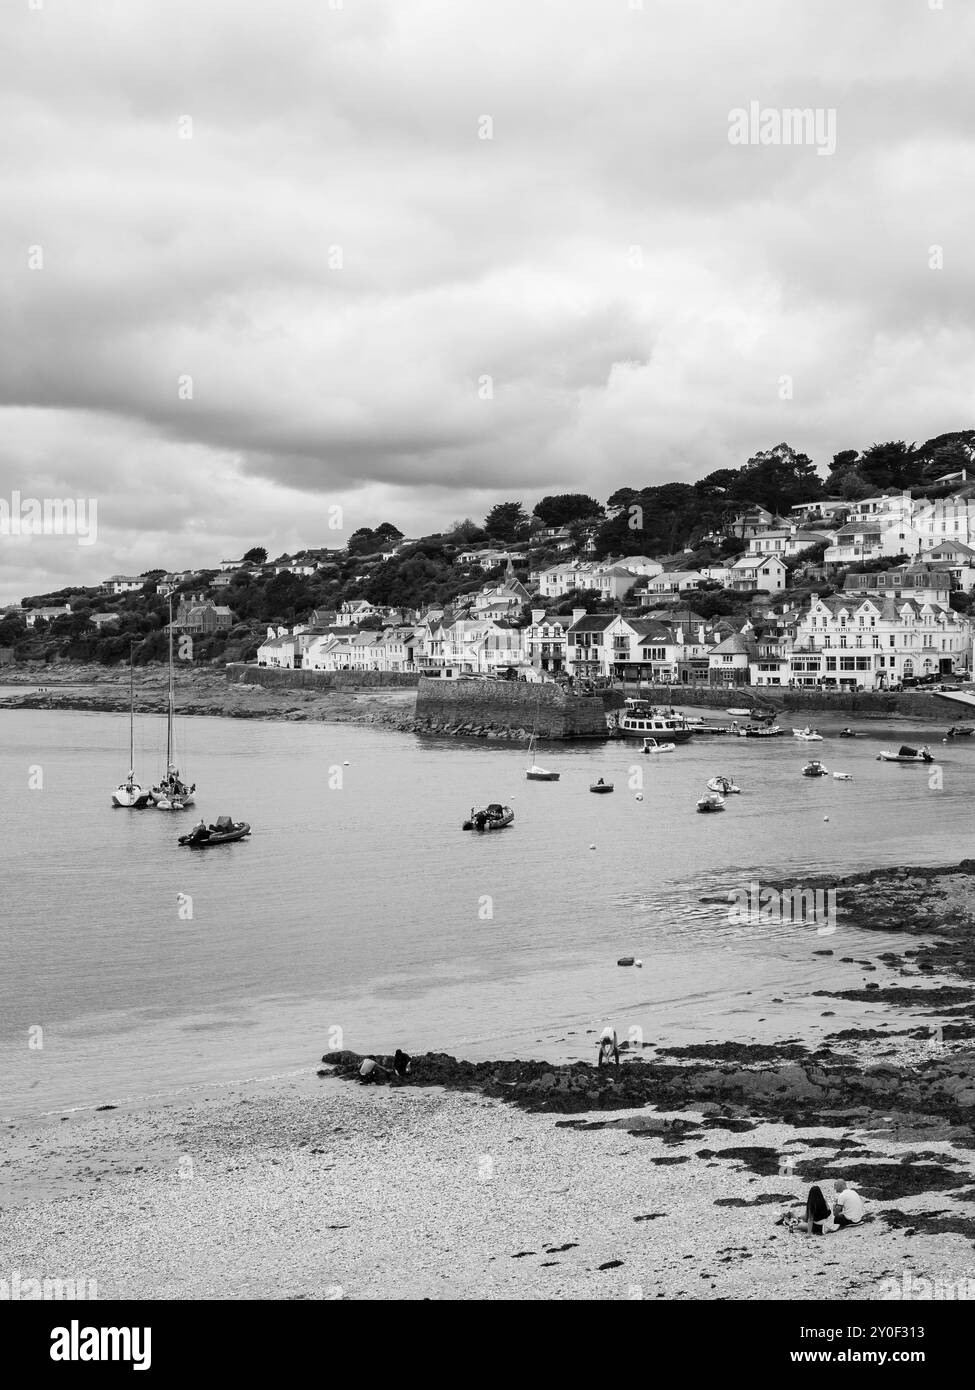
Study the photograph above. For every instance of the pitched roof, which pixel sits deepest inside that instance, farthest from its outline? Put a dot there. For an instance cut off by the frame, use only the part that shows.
(735, 646)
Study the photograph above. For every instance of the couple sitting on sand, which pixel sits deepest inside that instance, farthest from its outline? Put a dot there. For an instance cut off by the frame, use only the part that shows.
(820, 1218)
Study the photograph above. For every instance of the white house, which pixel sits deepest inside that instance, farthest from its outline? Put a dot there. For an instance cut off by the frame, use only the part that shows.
(872, 641)
(57, 610)
(123, 583)
(759, 572)
(545, 641)
(277, 649)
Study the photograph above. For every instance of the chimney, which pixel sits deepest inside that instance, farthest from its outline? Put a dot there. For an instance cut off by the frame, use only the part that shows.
(537, 615)
(578, 613)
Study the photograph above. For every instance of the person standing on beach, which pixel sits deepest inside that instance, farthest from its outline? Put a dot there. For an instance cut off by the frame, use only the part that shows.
(609, 1048)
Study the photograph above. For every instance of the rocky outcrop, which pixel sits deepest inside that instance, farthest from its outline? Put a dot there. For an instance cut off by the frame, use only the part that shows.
(823, 1084)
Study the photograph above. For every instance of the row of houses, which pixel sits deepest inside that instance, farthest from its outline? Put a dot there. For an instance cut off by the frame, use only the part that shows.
(883, 629)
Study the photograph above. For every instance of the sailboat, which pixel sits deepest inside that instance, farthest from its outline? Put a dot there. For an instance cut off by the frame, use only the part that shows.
(129, 794)
(533, 772)
(172, 793)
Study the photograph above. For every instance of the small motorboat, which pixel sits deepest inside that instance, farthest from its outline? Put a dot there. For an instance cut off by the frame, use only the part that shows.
(847, 733)
(710, 803)
(626, 960)
(757, 731)
(810, 735)
(600, 786)
(906, 754)
(726, 786)
(650, 745)
(960, 731)
(814, 768)
(843, 776)
(740, 712)
(493, 817)
(223, 832)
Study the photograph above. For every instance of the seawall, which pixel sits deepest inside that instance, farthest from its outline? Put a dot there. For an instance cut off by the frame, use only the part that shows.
(869, 704)
(275, 678)
(500, 709)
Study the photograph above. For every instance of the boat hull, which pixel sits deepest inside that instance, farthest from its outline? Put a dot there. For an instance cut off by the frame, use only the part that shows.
(600, 788)
(538, 774)
(130, 798)
(226, 837)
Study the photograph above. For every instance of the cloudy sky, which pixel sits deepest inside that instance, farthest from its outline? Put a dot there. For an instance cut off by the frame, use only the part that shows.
(260, 260)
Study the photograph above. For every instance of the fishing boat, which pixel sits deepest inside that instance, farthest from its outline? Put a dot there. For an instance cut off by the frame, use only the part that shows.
(710, 803)
(600, 786)
(129, 793)
(725, 785)
(172, 793)
(758, 731)
(808, 735)
(906, 754)
(533, 772)
(814, 768)
(843, 776)
(223, 832)
(493, 817)
(650, 745)
(640, 720)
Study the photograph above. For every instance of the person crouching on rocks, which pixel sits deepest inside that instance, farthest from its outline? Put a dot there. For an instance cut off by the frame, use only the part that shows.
(371, 1070)
(609, 1048)
(401, 1065)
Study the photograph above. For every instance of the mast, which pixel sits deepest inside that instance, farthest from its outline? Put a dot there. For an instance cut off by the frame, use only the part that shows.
(169, 711)
(131, 716)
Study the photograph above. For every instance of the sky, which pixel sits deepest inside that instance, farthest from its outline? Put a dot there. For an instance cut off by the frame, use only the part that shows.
(408, 258)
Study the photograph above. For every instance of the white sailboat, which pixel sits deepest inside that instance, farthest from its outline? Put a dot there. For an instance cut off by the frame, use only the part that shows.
(129, 793)
(533, 772)
(172, 793)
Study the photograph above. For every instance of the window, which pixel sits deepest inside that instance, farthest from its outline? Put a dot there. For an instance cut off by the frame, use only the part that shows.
(847, 663)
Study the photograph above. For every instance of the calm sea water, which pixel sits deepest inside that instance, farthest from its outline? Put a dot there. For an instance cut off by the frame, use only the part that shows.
(365, 910)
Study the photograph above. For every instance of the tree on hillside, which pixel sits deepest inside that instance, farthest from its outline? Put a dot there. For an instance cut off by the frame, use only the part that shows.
(257, 555)
(506, 522)
(778, 479)
(366, 541)
(466, 532)
(565, 507)
(891, 465)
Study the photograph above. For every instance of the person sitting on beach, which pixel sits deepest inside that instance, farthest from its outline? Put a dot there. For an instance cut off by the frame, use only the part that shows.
(848, 1206)
(609, 1049)
(401, 1063)
(370, 1070)
(818, 1212)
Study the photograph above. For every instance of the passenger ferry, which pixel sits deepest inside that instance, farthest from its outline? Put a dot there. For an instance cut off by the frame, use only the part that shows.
(640, 721)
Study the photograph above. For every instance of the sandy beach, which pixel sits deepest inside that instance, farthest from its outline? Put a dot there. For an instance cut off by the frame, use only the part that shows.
(303, 1187)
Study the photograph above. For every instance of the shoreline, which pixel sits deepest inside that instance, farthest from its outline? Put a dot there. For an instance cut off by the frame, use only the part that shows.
(205, 692)
(526, 1179)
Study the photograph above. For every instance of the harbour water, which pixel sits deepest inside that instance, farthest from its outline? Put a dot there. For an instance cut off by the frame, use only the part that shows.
(358, 914)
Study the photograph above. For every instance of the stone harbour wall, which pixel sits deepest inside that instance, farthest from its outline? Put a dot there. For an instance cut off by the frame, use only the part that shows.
(509, 709)
(275, 677)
